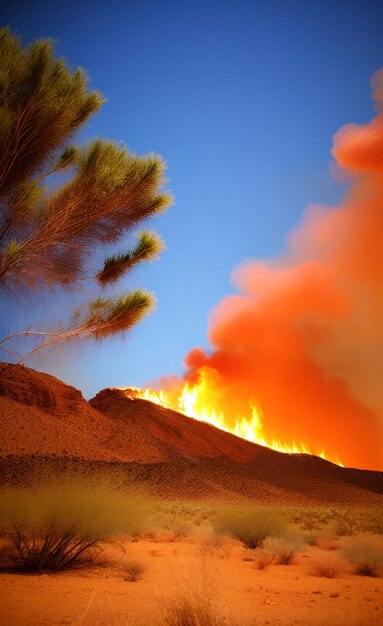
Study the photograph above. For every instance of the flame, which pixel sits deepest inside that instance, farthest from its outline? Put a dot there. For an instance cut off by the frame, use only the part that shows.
(295, 356)
(196, 401)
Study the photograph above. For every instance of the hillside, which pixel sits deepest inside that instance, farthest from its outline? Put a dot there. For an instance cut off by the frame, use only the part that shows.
(47, 427)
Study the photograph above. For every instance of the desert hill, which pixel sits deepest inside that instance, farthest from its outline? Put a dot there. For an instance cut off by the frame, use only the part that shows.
(47, 427)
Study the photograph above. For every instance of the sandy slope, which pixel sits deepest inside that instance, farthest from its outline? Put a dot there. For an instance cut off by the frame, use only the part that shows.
(48, 427)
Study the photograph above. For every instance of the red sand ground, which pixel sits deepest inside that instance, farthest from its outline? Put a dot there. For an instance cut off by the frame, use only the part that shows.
(240, 594)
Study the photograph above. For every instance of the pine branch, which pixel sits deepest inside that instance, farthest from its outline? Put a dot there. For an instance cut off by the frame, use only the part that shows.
(49, 234)
(148, 249)
(99, 319)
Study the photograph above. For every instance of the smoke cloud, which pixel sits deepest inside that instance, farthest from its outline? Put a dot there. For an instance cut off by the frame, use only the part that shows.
(303, 339)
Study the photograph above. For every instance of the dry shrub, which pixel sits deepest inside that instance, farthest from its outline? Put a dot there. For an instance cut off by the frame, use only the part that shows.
(179, 531)
(179, 527)
(214, 546)
(365, 553)
(169, 527)
(326, 564)
(283, 550)
(192, 609)
(181, 519)
(310, 519)
(60, 525)
(347, 522)
(132, 570)
(372, 521)
(262, 558)
(250, 525)
(275, 551)
(194, 598)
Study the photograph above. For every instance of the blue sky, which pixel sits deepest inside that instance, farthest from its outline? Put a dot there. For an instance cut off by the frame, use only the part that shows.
(242, 100)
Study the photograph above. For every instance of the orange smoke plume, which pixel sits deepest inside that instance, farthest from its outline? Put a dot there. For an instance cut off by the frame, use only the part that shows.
(303, 340)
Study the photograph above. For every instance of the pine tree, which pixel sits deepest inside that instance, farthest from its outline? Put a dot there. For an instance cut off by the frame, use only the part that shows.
(60, 202)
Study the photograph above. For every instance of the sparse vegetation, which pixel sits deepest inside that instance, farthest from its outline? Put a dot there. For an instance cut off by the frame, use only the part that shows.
(132, 570)
(250, 525)
(365, 553)
(194, 570)
(193, 600)
(263, 558)
(275, 551)
(371, 521)
(327, 564)
(55, 526)
(326, 522)
(347, 522)
(309, 520)
(194, 608)
(283, 550)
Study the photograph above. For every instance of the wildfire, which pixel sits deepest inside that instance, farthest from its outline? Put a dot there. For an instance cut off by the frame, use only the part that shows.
(195, 401)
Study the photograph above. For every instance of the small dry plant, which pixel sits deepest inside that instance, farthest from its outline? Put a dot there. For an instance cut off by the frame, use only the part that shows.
(214, 546)
(179, 519)
(274, 551)
(365, 553)
(284, 550)
(326, 564)
(263, 558)
(63, 524)
(132, 570)
(193, 608)
(250, 525)
(194, 600)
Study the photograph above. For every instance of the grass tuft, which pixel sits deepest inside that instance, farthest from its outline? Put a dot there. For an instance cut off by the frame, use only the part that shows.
(365, 553)
(132, 571)
(274, 551)
(326, 564)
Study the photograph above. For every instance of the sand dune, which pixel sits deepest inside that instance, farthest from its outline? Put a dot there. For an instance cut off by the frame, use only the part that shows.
(47, 427)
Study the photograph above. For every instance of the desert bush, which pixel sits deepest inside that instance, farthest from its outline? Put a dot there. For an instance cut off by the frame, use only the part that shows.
(250, 525)
(179, 527)
(181, 519)
(55, 526)
(365, 553)
(311, 519)
(193, 600)
(275, 551)
(132, 570)
(263, 558)
(326, 564)
(371, 521)
(347, 522)
(214, 546)
(283, 550)
(191, 609)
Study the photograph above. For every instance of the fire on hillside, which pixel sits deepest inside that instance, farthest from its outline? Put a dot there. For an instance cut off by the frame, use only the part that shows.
(197, 401)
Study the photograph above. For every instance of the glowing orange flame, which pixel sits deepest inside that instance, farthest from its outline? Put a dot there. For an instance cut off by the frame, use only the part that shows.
(195, 401)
